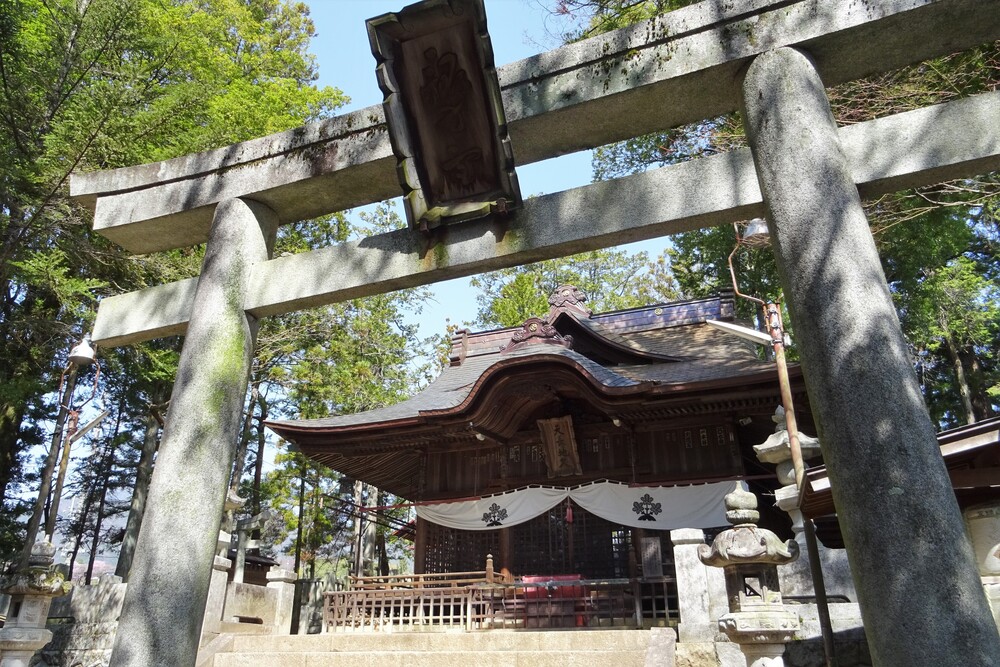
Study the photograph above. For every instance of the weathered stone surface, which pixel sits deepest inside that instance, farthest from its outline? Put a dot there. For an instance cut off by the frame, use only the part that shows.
(983, 522)
(172, 568)
(100, 602)
(662, 648)
(849, 645)
(587, 94)
(957, 139)
(247, 601)
(283, 582)
(698, 586)
(900, 520)
(216, 600)
(764, 626)
(697, 654)
(745, 542)
(80, 644)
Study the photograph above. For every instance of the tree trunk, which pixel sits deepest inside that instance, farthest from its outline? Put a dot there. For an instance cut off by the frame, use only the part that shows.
(50, 465)
(10, 429)
(10, 434)
(961, 382)
(382, 529)
(144, 472)
(298, 527)
(244, 444)
(368, 553)
(358, 543)
(98, 521)
(982, 406)
(258, 469)
(314, 533)
(78, 538)
(104, 474)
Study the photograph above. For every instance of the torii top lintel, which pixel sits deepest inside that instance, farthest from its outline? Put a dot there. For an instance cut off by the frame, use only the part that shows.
(666, 71)
(677, 68)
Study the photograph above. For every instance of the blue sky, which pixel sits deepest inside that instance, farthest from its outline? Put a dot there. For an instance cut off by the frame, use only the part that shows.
(518, 29)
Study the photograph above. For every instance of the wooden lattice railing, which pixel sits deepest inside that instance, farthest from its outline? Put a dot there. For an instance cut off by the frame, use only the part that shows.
(379, 608)
(432, 602)
(432, 580)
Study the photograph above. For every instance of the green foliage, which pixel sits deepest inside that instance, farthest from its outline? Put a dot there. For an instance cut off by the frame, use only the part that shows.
(319, 532)
(48, 271)
(612, 279)
(600, 16)
(105, 84)
(955, 288)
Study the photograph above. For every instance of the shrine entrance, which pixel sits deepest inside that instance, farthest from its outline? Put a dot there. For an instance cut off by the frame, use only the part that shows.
(771, 60)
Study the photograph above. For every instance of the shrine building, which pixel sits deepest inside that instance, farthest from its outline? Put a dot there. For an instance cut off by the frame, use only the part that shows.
(569, 447)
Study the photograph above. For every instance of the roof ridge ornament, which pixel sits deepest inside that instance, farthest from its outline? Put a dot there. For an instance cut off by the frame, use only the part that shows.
(568, 298)
(535, 331)
(459, 347)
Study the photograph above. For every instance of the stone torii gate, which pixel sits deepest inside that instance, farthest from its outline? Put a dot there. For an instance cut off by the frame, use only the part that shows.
(919, 590)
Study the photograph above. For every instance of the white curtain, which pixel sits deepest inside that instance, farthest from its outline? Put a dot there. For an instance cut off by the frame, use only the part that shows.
(658, 508)
(500, 511)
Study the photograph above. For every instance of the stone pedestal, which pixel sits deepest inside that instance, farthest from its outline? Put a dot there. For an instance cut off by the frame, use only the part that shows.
(764, 655)
(284, 582)
(216, 596)
(31, 592)
(701, 590)
(86, 621)
(983, 524)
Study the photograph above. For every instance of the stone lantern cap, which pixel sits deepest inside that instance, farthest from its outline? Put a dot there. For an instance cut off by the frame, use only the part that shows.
(39, 578)
(745, 542)
(776, 448)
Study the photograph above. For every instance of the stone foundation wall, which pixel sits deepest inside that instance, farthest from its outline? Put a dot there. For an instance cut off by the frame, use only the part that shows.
(83, 624)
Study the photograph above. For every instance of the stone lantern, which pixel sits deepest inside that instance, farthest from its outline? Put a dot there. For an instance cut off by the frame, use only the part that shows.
(749, 555)
(31, 591)
(777, 450)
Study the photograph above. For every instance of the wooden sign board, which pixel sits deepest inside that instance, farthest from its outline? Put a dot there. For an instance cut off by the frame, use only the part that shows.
(444, 113)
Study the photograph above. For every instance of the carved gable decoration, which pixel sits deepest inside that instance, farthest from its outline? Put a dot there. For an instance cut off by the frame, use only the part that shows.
(559, 445)
(569, 297)
(534, 331)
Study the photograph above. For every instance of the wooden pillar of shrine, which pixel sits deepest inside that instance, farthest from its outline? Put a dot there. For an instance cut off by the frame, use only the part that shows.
(420, 546)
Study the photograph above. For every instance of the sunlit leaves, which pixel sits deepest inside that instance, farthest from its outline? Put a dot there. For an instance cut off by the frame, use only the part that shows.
(612, 279)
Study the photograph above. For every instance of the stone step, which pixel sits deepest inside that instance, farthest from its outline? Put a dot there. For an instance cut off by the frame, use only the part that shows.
(246, 628)
(494, 640)
(609, 658)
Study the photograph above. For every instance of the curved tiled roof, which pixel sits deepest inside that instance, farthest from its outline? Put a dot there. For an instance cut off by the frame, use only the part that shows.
(455, 384)
(667, 345)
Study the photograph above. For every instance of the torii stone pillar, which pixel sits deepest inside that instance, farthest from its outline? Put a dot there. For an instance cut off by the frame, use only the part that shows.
(172, 567)
(917, 583)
